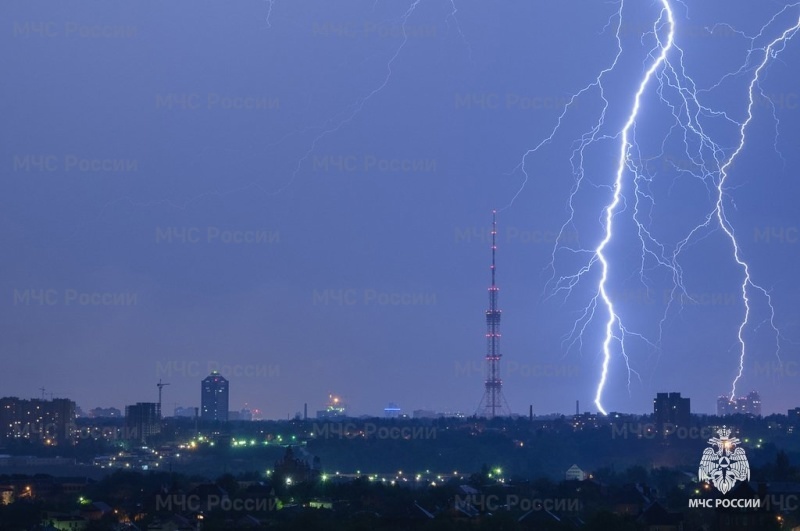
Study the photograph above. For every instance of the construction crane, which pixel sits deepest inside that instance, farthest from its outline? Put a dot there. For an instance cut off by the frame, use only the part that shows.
(160, 387)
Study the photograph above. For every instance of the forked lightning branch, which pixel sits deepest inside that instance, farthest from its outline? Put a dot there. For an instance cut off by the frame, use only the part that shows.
(625, 185)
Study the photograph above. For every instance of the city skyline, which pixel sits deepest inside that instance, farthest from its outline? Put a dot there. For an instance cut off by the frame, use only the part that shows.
(248, 248)
(317, 222)
(180, 410)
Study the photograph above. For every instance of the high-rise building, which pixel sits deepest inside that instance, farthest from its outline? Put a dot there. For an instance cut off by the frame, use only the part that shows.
(744, 405)
(751, 404)
(725, 406)
(142, 420)
(214, 397)
(51, 422)
(669, 409)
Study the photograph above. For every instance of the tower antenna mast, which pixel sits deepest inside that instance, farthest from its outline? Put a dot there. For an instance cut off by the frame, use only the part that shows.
(493, 403)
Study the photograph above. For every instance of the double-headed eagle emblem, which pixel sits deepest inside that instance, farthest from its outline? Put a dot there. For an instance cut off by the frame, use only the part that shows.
(726, 465)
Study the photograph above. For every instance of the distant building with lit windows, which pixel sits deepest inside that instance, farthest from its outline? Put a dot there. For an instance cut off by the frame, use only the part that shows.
(744, 405)
(725, 406)
(670, 409)
(50, 422)
(335, 409)
(214, 398)
(142, 420)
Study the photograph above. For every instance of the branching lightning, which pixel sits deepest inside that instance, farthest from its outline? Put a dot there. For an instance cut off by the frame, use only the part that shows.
(770, 52)
(711, 163)
(614, 324)
(664, 75)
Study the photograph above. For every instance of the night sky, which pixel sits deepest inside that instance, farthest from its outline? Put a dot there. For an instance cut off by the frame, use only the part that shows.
(299, 196)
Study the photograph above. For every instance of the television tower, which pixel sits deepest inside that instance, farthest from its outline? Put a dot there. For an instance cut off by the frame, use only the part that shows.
(493, 402)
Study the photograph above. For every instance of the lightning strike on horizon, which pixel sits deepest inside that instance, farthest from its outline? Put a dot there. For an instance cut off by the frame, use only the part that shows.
(614, 329)
(771, 51)
(625, 146)
(712, 169)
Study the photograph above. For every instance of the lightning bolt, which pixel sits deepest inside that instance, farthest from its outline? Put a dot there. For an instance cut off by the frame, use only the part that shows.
(270, 5)
(770, 51)
(614, 323)
(709, 163)
(614, 327)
